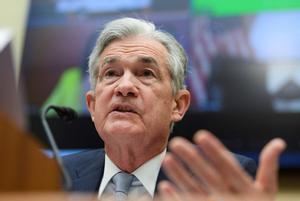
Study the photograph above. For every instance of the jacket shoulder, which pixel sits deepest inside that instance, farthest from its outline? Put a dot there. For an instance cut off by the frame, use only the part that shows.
(85, 162)
(83, 157)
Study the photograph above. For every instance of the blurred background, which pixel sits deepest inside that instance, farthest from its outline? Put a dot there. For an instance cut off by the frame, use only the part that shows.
(244, 67)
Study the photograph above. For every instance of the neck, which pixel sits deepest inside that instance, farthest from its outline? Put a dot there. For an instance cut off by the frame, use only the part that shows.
(129, 158)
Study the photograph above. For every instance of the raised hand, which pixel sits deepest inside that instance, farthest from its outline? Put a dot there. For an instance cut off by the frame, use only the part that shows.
(214, 174)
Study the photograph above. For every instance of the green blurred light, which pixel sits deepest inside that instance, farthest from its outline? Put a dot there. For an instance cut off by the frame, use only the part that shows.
(238, 7)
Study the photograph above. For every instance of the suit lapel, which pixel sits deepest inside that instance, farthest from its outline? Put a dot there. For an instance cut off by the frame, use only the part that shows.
(89, 175)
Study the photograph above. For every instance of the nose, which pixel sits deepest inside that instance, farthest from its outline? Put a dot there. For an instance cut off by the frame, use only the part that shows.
(127, 85)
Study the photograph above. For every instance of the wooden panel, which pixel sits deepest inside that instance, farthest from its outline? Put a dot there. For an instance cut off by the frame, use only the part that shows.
(23, 167)
(48, 197)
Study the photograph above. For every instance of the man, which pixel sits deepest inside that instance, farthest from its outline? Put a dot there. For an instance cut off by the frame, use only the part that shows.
(137, 79)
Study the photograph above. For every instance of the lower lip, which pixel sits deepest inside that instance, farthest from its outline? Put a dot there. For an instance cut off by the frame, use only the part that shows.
(122, 113)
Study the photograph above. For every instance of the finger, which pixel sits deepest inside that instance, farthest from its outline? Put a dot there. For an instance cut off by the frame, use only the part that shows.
(195, 161)
(268, 166)
(167, 192)
(179, 175)
(225, 163)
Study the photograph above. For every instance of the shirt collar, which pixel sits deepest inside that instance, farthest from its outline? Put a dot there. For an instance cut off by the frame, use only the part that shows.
(148, 172)
(145, 173)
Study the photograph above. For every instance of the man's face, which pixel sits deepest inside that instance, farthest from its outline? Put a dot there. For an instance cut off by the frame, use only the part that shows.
(133, 100)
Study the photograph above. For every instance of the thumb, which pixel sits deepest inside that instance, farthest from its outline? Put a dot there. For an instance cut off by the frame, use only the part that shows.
(267, 174)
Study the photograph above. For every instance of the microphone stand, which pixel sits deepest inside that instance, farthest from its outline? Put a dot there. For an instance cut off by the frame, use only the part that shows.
(67, 182)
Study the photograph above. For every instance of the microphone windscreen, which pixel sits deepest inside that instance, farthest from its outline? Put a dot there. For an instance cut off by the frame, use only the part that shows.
(65, 113)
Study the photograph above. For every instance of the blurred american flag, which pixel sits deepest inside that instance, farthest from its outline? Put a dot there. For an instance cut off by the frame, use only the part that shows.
(211, 37)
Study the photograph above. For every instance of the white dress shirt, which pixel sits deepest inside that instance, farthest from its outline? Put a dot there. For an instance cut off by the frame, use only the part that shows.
(147, 174)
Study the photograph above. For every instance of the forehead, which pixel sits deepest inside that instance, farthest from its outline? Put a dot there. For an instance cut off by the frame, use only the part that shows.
(135, 47)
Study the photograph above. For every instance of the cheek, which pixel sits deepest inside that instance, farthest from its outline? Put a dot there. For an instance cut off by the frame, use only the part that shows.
(103, 97)
(104, 93)
(160, 107)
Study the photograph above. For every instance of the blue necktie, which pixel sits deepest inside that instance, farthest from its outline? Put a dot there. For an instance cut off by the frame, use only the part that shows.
(122, 182)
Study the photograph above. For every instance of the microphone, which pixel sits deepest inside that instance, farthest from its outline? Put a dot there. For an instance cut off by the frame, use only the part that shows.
(67, 114)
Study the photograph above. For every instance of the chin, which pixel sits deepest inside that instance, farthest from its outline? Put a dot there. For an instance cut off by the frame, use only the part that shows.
(124, 129)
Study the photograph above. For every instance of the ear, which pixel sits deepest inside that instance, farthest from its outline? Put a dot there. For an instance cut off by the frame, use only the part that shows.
(90, 102)
(181, 104)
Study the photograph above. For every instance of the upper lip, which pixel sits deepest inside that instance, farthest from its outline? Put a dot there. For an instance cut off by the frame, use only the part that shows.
(124, 107)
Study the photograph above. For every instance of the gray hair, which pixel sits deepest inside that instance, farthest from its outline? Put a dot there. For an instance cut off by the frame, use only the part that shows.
(125, 27)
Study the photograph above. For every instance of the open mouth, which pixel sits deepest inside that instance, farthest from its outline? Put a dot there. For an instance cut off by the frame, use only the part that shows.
(124, 109)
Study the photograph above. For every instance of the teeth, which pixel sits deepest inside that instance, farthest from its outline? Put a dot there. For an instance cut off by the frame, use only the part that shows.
(124, 109)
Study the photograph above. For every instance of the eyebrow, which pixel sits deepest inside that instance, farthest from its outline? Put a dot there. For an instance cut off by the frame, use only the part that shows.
(110, 60)
(147, 60)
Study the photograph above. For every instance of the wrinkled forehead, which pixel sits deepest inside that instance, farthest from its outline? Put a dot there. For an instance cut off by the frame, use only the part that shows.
(135, 48)
(135, 59)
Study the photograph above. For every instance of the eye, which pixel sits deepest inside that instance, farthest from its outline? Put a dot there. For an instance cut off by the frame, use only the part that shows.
(112, 73)
(109, 74)
(147, 73)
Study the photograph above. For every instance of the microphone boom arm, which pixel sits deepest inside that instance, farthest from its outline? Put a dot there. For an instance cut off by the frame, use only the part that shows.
(67, 179)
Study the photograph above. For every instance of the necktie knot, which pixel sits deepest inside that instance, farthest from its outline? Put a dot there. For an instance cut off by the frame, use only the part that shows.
(122, 182)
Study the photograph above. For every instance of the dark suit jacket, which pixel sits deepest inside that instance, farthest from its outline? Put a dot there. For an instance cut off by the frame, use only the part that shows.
(86, 169)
